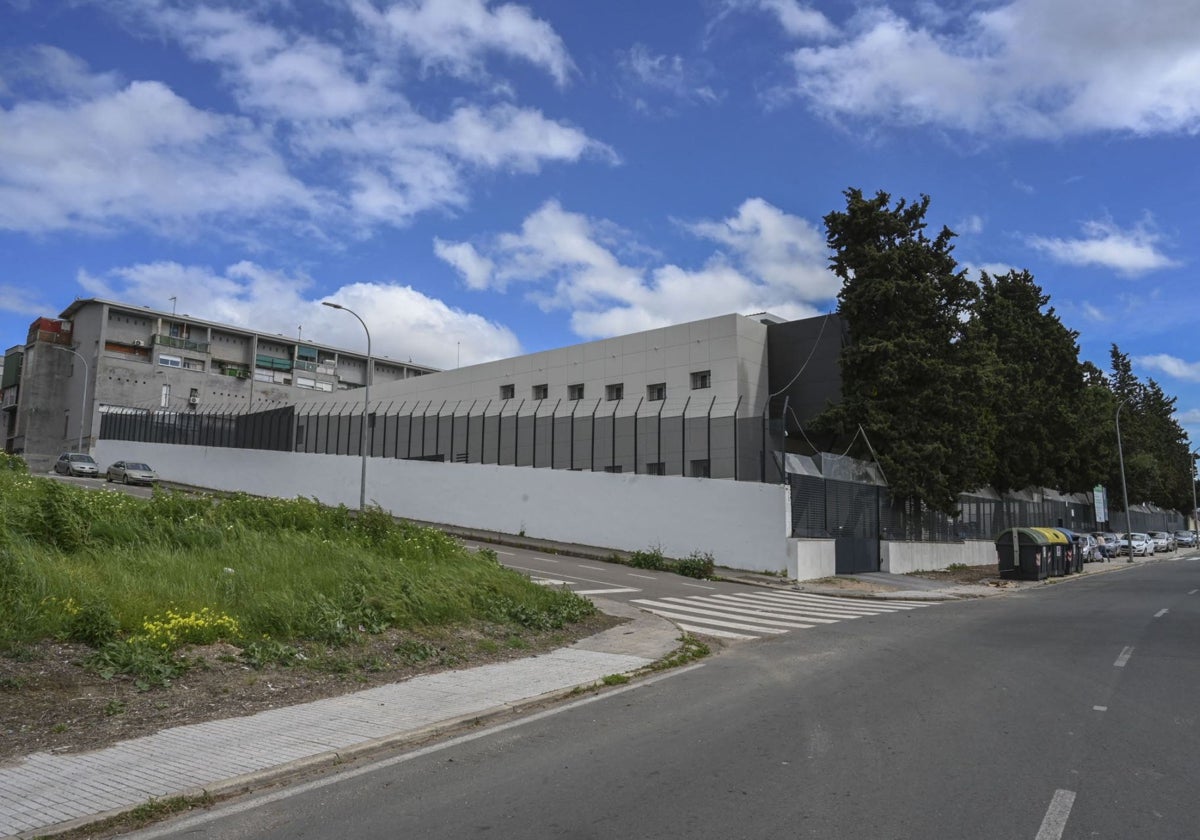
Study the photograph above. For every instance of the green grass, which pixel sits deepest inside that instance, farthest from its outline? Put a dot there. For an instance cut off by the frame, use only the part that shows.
(109, 569)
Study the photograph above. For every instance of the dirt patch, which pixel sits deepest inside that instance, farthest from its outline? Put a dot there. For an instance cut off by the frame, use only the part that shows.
(849, 584)
(50, 702)
(964, 574)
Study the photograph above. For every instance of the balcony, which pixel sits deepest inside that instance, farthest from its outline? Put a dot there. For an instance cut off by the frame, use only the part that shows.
(272, 363)
(309, 366)
(180, 343)
(48, 337)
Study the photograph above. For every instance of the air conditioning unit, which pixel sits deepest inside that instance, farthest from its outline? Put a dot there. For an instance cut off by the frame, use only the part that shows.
(193, 401)
(137, 342)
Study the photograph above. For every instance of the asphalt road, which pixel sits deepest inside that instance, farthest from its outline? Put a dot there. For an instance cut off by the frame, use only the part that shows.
(1065, 711)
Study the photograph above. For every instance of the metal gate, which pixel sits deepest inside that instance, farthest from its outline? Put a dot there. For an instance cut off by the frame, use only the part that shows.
(853, 522)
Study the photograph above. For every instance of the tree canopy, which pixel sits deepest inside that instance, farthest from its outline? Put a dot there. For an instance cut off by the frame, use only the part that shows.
(961, 384)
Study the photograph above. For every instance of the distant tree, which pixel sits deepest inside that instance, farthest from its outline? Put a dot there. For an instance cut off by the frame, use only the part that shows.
(1036, 387)
(908, 378)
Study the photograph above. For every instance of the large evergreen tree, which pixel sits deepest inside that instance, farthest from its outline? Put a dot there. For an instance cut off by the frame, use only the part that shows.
(1037, 387)
(908, 378)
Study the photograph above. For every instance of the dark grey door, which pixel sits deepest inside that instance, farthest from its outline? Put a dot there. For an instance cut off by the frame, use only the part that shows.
(853, 511)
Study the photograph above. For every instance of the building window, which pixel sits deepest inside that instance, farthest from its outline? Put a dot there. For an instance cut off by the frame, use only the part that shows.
(701, 379)
(193, 364)
(541, 392)
(656, 468)
(614, 392)
(575, 392)
(507, 392)
(613, 469)
(166, 396)
(700, 468)
(656, 392)
(170, 361)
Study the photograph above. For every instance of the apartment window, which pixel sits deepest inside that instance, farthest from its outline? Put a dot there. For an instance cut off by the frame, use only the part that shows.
(541, 392)
(700, 468)
(656, 392)
(507, 392)
(575, 392)
(166, 396)
(614, 392)
(613, 469)
(170, 361)
(193, 364)
(656, 468)
(701, 379)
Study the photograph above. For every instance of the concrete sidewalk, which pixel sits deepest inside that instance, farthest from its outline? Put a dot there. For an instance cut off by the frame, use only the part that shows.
(44, 793)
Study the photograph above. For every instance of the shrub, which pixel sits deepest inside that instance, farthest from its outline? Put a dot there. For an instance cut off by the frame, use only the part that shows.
(139, 658)
(651, 559)
(93, 624)
(696, 565)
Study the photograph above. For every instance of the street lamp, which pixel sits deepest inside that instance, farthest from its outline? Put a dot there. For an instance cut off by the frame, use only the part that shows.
(1195, 526)
(1124, 491)
(363, 447)
(83, 402)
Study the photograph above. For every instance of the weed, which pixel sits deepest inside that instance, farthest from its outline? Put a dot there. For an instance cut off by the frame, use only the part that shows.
(266, 651)
(615, 679)
(59, 728)
(689, 650)
(12, 683)
(113, 708)
(148, 664)
(93, 624)
(651, 559)
(414, 652)
(696, 565)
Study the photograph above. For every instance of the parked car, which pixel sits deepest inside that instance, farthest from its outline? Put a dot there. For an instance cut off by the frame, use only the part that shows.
(1185, 539)
(1143, 546)
(131, 472)
(1106, 544)
(76, 463)
(1087, 548)
(1163, 540)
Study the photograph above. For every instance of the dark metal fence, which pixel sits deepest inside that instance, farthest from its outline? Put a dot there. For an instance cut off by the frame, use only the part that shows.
(827, 508)
(683, 438)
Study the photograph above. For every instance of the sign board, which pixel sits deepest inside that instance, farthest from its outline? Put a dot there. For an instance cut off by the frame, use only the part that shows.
(1101, 496)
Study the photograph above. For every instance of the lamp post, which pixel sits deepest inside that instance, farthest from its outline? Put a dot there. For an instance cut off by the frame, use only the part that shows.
(1195, 526)
(1124, 491)
(83, 401)
(362, 437)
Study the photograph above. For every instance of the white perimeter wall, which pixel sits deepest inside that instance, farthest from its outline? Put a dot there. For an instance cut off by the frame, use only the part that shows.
(744, 525)
(902, 557)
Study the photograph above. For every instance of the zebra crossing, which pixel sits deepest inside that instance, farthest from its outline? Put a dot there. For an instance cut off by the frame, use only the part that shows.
(752, 615)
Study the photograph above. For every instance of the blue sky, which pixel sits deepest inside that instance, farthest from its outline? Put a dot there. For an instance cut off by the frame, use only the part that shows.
(483, 179)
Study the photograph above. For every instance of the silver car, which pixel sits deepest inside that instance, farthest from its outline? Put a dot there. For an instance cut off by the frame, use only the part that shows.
(131, 472)
(1163, 540)
(76, 463)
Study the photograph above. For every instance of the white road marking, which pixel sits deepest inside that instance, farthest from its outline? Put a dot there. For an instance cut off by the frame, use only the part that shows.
(1056, 815)
(1161, 613)
(710, 631)
(1123, 658)
(699, 586)
(593, 568)
(666, 613)
(831, 610)
(730, 602)
(1100, 708)
(682, 605)
(550, 582)
(643, 577)
(1194, 591)
(545, 559)
(605, 591)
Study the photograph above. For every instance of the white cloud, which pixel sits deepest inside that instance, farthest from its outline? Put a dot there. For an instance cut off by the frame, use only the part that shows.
(141, 154)
(405, 324)
(972, 224)
(796, 19)
(1025, 68)
(1130, 252)
(648, 76)
(775, 262)
(25, 300)
(455, 35)
(1171, 366)
(323, 134)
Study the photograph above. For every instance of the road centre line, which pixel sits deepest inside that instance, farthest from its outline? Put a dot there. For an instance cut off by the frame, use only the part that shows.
(1123, 658)
(606, 591)
(1194, 591)
(1056, 815)
(545, 559)
(699, 586)
(593, 568)
(1099, 708)
(1161, 613)
(643, 577)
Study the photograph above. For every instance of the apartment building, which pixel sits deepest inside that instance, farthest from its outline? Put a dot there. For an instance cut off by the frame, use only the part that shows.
(101, 355)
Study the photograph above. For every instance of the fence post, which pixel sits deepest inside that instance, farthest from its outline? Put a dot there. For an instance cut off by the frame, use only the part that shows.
(736, 458)
(683, 436)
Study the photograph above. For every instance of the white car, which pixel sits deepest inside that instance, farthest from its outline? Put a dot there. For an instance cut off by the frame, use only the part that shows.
(76, 463)
(1143, 546)
(1163, 540)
